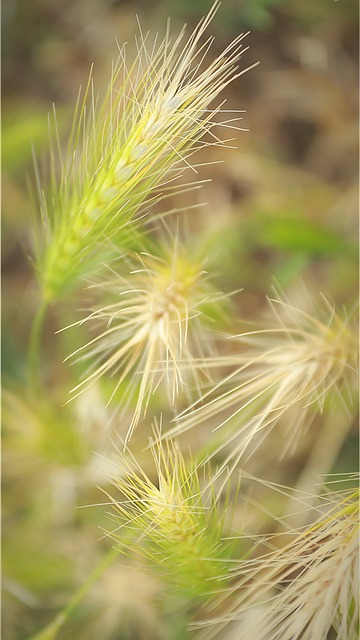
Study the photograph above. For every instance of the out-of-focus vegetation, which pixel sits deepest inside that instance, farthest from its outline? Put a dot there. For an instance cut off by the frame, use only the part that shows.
(282, 205)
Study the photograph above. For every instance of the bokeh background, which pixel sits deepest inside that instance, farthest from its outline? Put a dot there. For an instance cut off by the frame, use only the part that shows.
(282, 205)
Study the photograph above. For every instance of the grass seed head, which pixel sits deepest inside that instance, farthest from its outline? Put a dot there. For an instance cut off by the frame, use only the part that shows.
(306, 589)
(320, 587)
(285, 372)
(178, 525)
(155, 326)
(129, 150)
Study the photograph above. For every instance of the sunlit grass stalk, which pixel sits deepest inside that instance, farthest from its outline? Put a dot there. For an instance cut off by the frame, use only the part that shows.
(321, 458)
(34, 348)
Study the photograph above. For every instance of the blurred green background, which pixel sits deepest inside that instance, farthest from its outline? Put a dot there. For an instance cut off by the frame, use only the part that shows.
(283, 204)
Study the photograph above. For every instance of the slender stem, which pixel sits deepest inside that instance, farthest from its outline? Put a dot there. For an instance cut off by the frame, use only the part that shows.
(51, 630)
(320, 460)
(34, 346)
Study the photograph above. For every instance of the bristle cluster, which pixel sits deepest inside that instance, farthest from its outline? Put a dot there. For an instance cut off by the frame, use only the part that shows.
(155, 326)
(320, 589)
(147, 345)
(129, 150)
(284, 373)
(177, 526)
(305, 590)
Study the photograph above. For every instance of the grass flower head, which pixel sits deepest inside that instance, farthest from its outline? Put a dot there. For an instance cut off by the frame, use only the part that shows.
(156, 325)
(307, 589)
(324, 593)
(283, 372)
(179, 527)
(128, 150)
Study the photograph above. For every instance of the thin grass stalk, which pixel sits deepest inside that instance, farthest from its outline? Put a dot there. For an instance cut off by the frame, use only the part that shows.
(51, 631)
(34, 348)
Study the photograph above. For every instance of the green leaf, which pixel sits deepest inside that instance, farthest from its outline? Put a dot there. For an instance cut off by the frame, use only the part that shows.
(295, 234)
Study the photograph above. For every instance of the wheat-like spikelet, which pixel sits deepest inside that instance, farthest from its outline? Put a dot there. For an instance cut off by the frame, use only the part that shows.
(303, 590)
(140, 139)
(324, 593)
(173, 521)
(284, 372)
(154, 326)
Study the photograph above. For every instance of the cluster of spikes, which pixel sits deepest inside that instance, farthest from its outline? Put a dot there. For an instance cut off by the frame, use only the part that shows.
(305, 588)
(155, 328)
(129, 151)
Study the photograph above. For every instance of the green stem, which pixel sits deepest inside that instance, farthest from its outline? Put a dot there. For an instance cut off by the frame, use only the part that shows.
(34, 346)
(51, 630)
